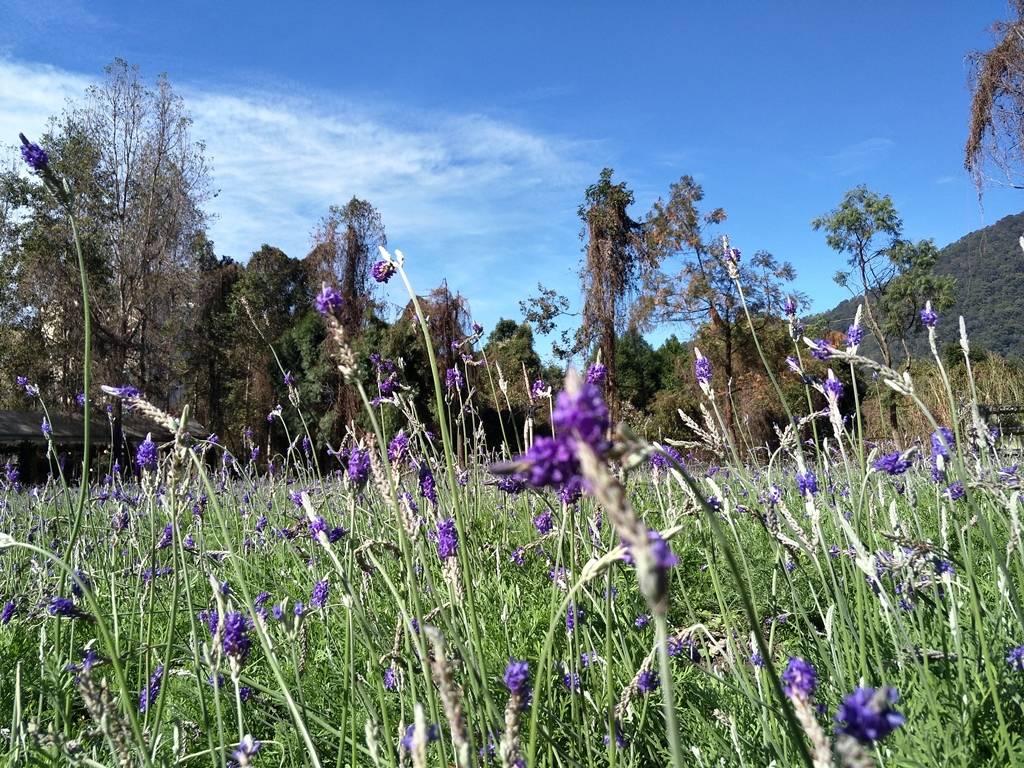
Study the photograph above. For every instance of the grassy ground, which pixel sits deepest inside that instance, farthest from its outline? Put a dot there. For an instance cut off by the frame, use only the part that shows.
(197, 615)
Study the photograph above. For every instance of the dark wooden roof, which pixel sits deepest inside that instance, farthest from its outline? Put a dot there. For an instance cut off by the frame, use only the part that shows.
(26, 427)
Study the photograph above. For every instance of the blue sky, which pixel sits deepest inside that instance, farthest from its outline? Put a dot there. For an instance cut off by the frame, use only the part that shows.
(475, 126)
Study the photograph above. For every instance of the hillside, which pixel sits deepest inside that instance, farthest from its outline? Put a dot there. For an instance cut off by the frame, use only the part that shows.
(989, 267)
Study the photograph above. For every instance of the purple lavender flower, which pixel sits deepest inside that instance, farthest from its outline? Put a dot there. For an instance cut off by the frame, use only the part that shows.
(447, 539)
(80, 399)
(854, 336)
(433, 734)
(383, 271)
(929, 318)
(702, 369)
(517, 677)
(833, 386)
(551, 461)
(64, 607)
(145, 456)
(235, 641)
(391, 678)
(148, 694)
(658, 459)
(955, 491)
(453, 379)
(597, 373)
(511, 484)
(799, 679)
(328, 301)
(942, 440)
(807, 482)
(867, 714)
(124, 392)
(358, 466)
(647, 681)
(820, 350)
(891, 463)
(8, 612)
(34, 155)
(518, 556)
(289, 379)
(583, 415)
(246, 751)
(428, 488)
(542, 522)
(642, 621)
(539, 389)
(398, 448)
(1015, 658)
(47, 428)
(789, 306)
(167, 537)
(320, 590)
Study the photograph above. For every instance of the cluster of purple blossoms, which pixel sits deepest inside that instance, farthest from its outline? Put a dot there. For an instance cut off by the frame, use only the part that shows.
(358, 466)
(428, 489)
(289, 379)
(517, 678)
(542, 522)
(149, 694)
(658, 460)
(539, 389)
(247, 749)
(799, 679)
(398, 448)
(929, 318)
(34, 155)
(235, 641)
(854, 336)
(642, 621)
(820, 350)
(511, 484)
(942, 440)
(167, 537)
(579, 417)
(789, 306)
(807, 482)
(433, 734)
(383, 271)
(664, 557)
(8, 611)
(867, 714)
(64, 607)
(833, 386)
(447, 539)
(328, 301)
(597, 373)
(892, 463)
(955, 491)
(46, 427)
(453, 379)
(391, 678)
(320, 591)
(702, 370)
(647, 681)
(145, 456)
(1015, 658)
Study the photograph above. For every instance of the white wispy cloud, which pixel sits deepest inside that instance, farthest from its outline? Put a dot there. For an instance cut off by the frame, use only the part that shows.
(859, 156)
(486, 203)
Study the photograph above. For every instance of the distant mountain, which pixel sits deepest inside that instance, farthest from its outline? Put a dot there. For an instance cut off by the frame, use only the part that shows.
(988, 265)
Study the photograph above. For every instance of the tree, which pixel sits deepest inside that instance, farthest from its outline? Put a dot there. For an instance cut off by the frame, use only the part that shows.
(345, 247)
(996, 129)
(138, 181)
(543, 312)
(616, 253)
(892, 276)
(703, 292)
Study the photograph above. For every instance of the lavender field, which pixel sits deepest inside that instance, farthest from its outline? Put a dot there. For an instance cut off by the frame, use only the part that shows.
(579, 597)
(582, 473)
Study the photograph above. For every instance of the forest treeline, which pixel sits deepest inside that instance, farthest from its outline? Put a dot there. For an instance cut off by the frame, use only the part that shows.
(233, 340)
